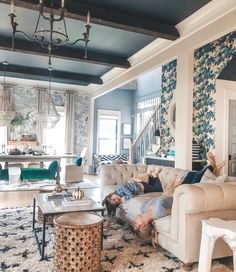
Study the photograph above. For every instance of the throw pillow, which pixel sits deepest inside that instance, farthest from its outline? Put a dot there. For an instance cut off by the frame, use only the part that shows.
(209, 177)
(78, 161)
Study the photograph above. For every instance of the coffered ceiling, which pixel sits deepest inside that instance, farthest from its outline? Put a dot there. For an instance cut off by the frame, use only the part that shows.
(119, 30)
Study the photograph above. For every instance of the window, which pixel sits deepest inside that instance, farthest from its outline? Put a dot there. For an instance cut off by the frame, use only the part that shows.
(54, 138)
(144, 111)
(108, 132)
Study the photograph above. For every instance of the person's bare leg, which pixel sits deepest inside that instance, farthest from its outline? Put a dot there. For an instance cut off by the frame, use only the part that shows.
(218, 168)
(211, 159)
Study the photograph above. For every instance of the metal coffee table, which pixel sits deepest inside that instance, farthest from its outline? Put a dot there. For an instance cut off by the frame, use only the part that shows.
(55, 207)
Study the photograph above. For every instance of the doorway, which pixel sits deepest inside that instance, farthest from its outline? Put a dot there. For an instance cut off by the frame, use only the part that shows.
(225, 125)
(232, 139)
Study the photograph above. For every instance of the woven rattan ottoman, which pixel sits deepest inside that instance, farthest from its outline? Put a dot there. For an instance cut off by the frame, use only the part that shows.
(78, 242)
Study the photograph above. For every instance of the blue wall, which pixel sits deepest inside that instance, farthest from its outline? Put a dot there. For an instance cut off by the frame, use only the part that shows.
(148, 85)
(117, 100)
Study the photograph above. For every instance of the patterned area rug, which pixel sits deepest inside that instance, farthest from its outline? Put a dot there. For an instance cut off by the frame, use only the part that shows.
(123, 251)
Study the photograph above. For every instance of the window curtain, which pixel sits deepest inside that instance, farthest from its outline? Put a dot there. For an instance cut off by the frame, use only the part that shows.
(40, 101)
(69, 122)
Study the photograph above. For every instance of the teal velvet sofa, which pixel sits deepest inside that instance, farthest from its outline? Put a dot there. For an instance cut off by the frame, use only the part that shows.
(34, 173)
(40, 173)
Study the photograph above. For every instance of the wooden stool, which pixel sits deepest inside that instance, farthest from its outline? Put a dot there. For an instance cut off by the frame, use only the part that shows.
(78, 242)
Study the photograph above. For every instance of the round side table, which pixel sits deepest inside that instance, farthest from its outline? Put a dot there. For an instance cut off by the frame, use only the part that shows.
(78, 242)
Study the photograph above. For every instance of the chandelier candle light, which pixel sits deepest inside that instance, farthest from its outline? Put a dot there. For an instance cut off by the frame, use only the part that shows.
(49, 37)
(48, 115)
(6, 111)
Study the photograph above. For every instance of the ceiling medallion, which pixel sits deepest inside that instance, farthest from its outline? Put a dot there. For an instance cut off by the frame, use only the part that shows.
(50, 30)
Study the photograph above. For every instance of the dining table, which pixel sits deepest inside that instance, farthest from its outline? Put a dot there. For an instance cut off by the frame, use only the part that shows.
(6, 158)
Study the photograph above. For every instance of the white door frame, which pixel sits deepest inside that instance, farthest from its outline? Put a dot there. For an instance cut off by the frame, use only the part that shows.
(225, 91)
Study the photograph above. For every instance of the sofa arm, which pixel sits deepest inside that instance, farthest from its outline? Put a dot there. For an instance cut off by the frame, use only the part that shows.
(205, 197)
(192, 204)
(204, 200)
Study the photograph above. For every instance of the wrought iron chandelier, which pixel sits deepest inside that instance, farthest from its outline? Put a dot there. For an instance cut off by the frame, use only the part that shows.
(48, 115)
(6, 110)
(50, 30)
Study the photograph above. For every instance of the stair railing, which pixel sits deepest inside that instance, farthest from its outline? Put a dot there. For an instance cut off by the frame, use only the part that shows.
(145, 138)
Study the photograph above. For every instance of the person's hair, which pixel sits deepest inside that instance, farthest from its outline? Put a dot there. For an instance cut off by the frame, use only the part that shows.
(111, 208)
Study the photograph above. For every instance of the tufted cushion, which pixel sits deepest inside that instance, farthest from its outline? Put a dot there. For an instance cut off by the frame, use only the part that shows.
(169, 174)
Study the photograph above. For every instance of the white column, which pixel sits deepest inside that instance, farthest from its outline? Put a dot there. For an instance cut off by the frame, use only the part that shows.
(184, 110)
(90, 136)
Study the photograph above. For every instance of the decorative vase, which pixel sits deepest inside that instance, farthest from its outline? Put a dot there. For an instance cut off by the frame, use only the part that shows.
(58, 188)
(78, 193)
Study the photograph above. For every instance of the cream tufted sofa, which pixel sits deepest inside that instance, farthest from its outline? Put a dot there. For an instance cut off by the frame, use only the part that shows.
(179, 233)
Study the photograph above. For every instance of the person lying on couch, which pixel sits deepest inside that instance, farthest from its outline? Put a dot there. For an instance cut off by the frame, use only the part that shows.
(160, 207)
(136, 186)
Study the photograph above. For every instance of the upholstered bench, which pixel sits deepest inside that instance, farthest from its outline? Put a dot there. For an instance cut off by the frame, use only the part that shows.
(34, 173)
(40, 173)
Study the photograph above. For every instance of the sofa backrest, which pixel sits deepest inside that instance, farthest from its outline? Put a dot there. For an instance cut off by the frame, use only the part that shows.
(115, 174)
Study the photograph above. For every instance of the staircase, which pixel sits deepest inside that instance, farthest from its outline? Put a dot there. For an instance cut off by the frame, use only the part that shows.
(145, 139)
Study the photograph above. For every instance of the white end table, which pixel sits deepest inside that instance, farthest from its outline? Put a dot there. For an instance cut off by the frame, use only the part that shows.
(212, 229)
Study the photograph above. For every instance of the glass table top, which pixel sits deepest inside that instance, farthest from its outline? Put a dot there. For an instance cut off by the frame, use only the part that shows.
(55, 205)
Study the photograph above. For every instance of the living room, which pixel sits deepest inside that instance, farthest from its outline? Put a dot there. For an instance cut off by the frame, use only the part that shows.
(193, 72)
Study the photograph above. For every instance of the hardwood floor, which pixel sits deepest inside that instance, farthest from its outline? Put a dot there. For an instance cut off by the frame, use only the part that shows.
(25, 198)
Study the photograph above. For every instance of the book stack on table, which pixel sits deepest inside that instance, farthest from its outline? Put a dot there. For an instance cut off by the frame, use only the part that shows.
(55, 196)
(70, 201)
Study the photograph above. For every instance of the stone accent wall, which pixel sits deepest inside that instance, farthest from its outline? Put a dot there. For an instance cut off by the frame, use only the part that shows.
(24, 100)
(25, 104)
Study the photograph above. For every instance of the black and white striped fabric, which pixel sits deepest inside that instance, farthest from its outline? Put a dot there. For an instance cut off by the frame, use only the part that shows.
(108, 159)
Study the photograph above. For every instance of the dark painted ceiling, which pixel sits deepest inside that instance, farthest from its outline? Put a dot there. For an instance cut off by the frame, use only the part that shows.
(119, 30)
(228, 73)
